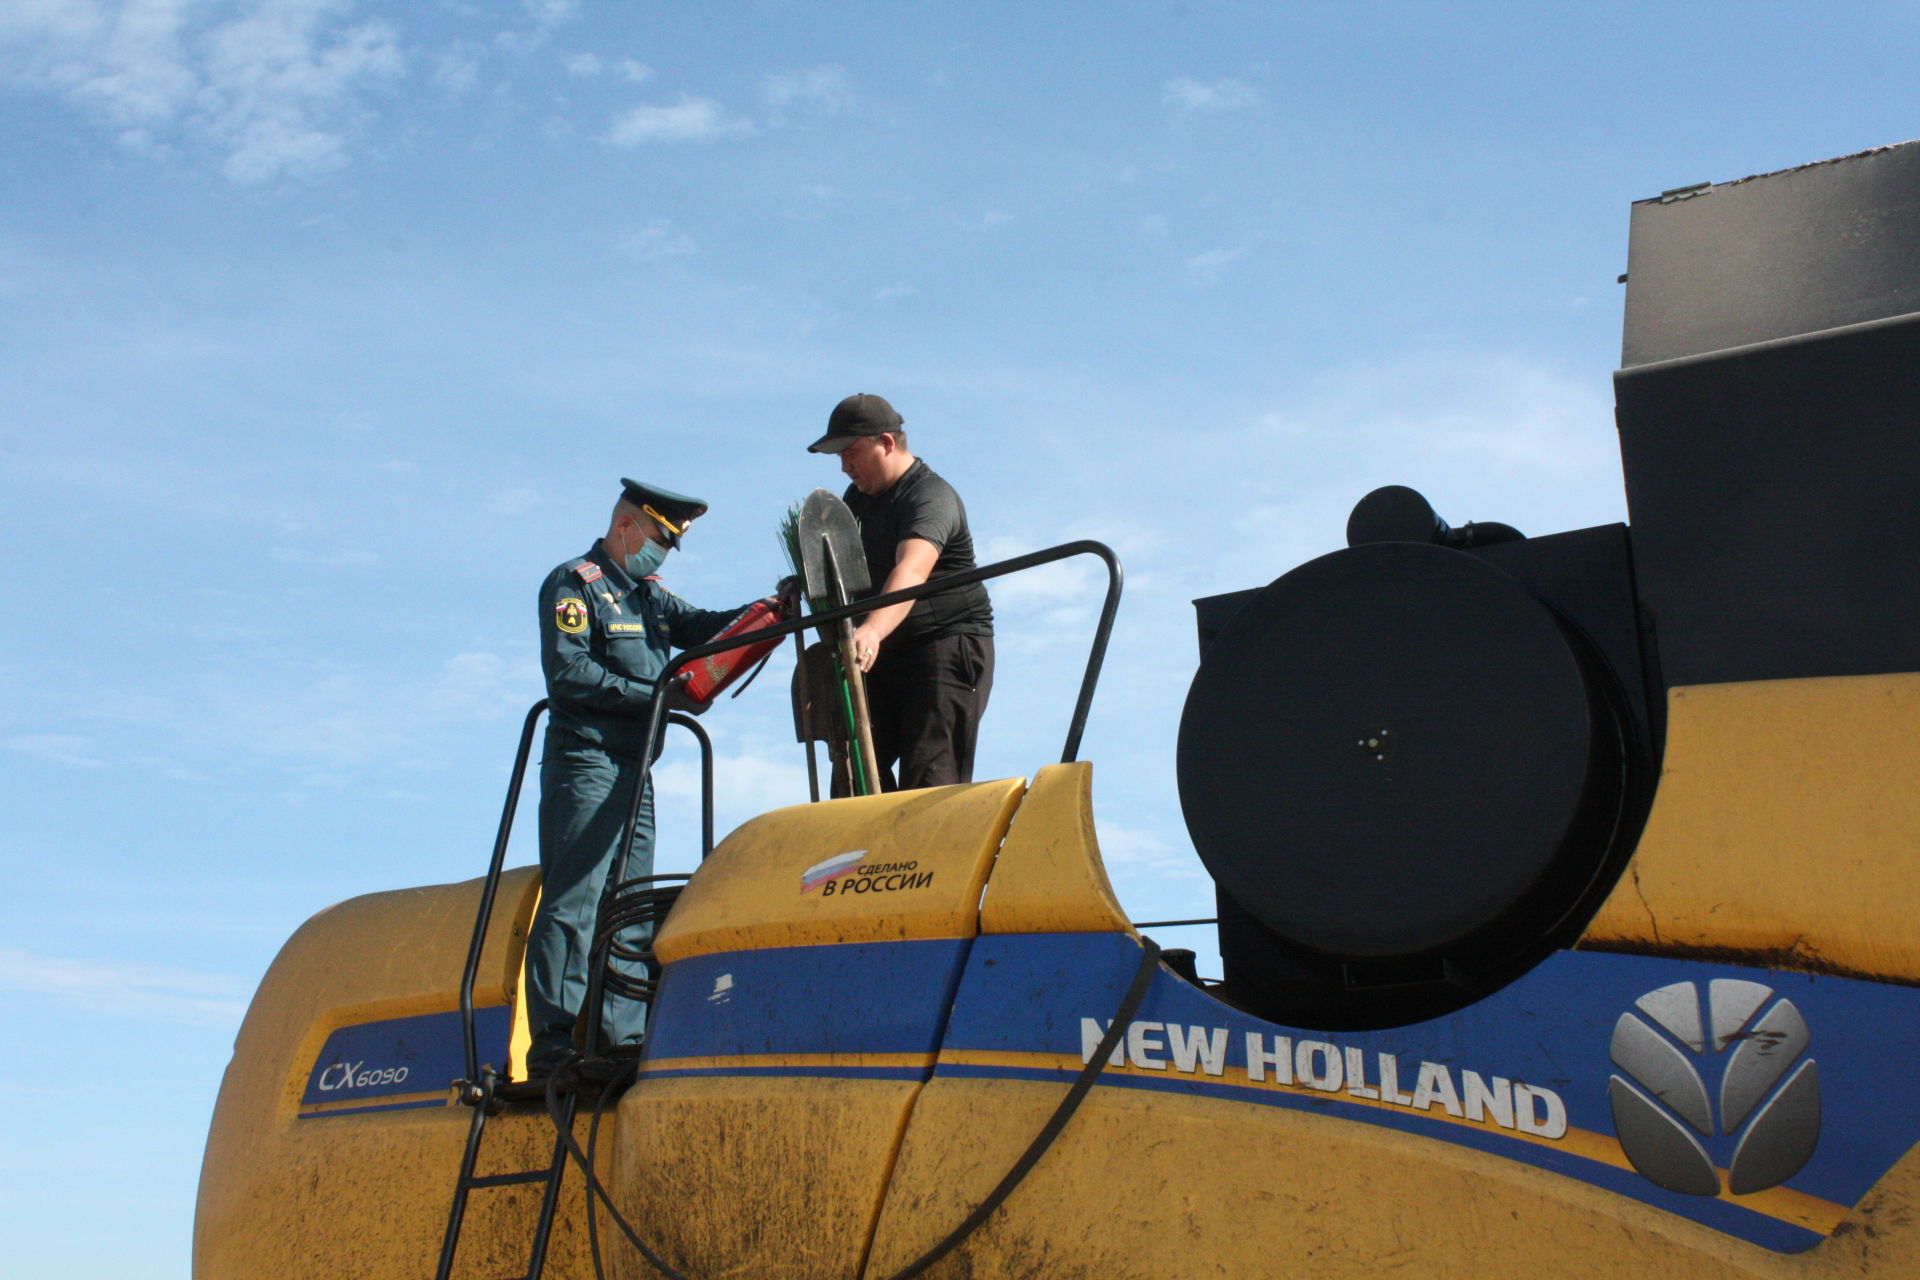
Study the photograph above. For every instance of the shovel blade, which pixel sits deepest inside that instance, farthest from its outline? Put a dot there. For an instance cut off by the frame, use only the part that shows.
(830, 542)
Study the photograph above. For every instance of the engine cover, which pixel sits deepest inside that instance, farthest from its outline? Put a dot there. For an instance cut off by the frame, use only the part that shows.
(1405, 768)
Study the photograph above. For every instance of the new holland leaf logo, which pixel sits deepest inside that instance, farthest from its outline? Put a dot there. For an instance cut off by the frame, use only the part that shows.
(1663, 1107)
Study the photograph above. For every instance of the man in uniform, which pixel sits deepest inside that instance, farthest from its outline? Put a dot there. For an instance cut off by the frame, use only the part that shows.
(607, 628)
(929, 662)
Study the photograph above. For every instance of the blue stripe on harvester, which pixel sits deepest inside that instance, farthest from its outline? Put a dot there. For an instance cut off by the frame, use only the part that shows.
(868, 997)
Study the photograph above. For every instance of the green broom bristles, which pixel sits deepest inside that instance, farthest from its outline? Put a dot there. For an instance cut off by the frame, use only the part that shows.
(790, 544)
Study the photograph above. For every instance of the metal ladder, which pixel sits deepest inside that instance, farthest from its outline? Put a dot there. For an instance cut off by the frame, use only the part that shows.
(481, 1088)
(468, 1181)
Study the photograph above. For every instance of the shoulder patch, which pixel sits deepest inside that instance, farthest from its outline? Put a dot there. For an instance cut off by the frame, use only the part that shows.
(570, 615)
(588, 571)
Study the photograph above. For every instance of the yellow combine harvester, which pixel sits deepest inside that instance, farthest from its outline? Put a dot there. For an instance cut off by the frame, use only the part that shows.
(1569, 904)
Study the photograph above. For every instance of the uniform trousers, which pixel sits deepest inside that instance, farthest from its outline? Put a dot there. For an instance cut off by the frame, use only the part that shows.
(585, 792)
(926, 703)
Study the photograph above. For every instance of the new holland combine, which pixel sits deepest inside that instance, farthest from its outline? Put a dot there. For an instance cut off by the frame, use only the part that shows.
(1569, 907)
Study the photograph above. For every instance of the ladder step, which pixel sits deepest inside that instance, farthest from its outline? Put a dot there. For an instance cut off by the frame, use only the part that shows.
(468, 1181)
(509, 1179)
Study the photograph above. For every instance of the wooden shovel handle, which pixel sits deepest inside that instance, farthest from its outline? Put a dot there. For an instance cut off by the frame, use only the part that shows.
(862, 721)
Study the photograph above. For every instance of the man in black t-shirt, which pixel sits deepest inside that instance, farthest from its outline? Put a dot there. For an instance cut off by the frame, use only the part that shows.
(929, 662)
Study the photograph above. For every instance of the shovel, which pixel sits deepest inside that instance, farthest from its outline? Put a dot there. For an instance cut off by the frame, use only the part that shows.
(834, 564)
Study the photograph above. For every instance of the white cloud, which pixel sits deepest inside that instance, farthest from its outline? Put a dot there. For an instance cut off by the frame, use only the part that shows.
(479, 687)
(1189, 94)
(583, 66)
(757, 776)
(1484, 436)
(456, 74)
(814, 201)
(324, 724)
(60, 748)
(276, 90)
(551, 13)
(1045, 616)
(1140, 849)
(688, 120)
(657, 240)
(149, 991)
(1204, 268)
(632, 71)
(1073, 584)
(59, 18)
(822, 91)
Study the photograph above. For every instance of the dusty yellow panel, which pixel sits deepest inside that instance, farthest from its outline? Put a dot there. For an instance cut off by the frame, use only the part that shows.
(923, 855)
(768, 1178)
(354, 1195)
(1787, 824)
(1155, 1186)
(365, 1197)
(1049, 877)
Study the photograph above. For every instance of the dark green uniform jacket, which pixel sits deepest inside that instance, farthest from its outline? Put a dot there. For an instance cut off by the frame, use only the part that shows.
(604, 639)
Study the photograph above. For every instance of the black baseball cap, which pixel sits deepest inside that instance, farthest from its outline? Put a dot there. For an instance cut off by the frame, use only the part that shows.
(856, 416)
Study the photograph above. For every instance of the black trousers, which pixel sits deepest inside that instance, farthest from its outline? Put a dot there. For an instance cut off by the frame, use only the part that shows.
(926, 704)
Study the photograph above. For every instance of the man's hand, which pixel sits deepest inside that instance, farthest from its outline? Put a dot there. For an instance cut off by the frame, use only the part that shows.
(913, 563)
(866, 645)
(786, 597)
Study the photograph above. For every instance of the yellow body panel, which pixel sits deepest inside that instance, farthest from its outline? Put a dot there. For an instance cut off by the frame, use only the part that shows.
(1786, 830)
(1049, 877)
(1152, 1185)
(777, 1179)
(744, 1166)
(748, 894)
(1155, 1186)
(365, 1195)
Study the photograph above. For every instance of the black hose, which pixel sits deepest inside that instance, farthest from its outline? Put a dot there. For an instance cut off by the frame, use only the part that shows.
(1082, 1085)
(556, 1112)
(593, 1219)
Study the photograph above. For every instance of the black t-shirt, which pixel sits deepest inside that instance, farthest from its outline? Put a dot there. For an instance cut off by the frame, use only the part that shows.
(922, 505)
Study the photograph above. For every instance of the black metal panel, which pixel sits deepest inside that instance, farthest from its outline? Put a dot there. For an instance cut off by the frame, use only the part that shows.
(1587, 576)
(1396, 751)
(1775, 501)
(1795, 252)
(1339, 905)
(1213, 613)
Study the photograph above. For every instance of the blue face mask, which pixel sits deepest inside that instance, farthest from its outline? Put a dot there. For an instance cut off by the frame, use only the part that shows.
(642, 563)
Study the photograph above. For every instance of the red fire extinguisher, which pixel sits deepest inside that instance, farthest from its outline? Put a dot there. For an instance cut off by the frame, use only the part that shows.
(695, 688)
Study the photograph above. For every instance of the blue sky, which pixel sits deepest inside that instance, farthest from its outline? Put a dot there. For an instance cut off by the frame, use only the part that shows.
(327, 328)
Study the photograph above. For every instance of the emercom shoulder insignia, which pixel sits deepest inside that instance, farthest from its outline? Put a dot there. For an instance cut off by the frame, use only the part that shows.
(570, 615)
(588, 571)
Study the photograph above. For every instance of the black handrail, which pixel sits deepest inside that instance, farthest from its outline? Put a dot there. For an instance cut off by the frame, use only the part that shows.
(694, 727)
(471, 1081)
(596, 979)
(473, 1090)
